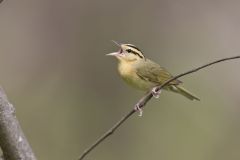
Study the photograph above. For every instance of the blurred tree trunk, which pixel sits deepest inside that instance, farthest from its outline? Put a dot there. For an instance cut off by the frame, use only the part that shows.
(13, 143)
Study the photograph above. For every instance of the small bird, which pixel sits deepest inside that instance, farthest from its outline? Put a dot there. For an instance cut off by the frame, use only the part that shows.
(144, 74)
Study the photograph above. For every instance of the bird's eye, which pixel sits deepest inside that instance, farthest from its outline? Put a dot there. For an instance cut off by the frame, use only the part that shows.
(129, 50)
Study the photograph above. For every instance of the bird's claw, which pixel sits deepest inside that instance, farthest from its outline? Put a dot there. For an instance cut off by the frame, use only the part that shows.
(156, 93)
(137, 108)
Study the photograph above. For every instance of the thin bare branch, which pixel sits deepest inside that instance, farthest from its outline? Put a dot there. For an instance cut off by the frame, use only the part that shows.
(142, 102)
(13, 143)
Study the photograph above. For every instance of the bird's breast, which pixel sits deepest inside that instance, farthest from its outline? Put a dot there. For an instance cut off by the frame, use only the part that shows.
(129, 74)
(125, 69)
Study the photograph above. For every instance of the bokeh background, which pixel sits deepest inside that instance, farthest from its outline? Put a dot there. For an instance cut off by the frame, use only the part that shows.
(67, 92)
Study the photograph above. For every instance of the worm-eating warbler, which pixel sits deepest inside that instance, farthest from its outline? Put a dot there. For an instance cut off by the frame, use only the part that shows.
(145, 74)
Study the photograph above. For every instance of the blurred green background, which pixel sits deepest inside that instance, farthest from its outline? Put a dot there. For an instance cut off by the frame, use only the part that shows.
(67, 92)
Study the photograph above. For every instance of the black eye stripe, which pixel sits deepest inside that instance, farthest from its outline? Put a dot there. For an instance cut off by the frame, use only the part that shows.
(136, 54)
(129, 50)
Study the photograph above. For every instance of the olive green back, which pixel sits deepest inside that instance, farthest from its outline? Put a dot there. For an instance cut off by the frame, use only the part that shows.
(153, 72)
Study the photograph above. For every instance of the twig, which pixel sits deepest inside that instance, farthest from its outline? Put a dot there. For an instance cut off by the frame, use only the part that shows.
(13, 143)
(142, 102)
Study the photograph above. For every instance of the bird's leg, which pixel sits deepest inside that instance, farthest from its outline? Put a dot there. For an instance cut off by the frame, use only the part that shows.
(137, 108)
(156, 93)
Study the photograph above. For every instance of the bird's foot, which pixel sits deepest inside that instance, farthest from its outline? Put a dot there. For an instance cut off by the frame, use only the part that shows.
(137, 108)
(156, 92)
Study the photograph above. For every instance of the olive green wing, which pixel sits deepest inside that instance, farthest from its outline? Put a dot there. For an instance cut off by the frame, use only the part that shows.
(152, 72)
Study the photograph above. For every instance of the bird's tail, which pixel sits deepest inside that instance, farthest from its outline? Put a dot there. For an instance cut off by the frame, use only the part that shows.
(181, 90)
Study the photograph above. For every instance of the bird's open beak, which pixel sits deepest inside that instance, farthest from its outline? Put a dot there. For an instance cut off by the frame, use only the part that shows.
(117, 43)
(113, 54)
